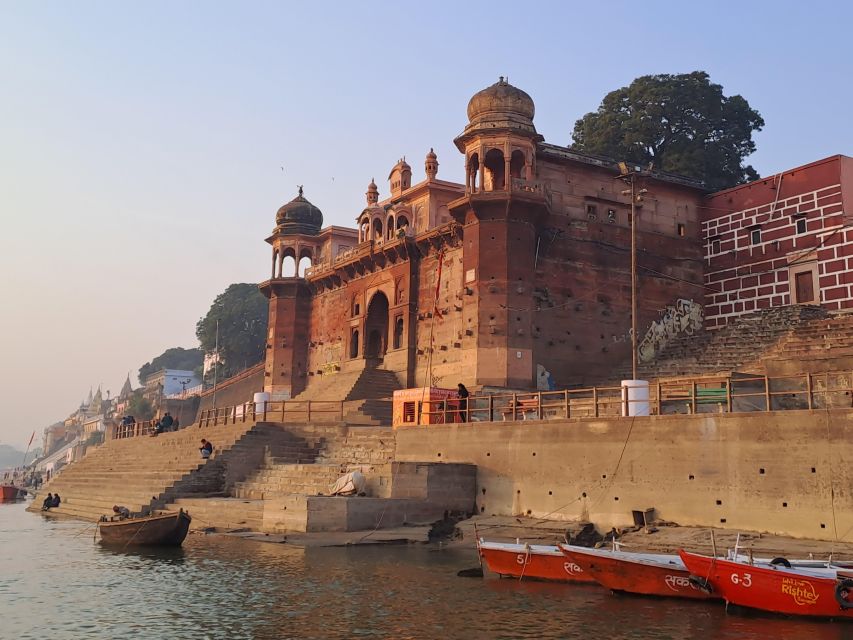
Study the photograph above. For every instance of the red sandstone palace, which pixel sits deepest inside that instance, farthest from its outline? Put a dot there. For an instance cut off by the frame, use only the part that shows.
(520, 277)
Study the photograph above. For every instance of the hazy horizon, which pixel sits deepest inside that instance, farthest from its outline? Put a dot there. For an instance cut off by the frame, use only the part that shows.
(146, 148)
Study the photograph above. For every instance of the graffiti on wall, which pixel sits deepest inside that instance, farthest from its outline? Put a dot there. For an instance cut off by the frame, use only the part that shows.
(682, 318)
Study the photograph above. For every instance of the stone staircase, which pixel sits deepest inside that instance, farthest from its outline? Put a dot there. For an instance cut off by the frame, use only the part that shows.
(134, 471)
(145, 473)
(821, 345)
(741, 345)
(367, 394)
(340, 450)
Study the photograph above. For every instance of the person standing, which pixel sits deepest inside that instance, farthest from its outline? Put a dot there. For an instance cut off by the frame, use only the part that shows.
(463, 394)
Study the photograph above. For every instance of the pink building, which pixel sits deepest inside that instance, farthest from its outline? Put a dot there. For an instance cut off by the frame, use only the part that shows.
(784, 239)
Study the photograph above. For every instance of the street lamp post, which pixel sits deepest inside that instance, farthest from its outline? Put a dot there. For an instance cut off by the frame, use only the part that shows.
(629, 176)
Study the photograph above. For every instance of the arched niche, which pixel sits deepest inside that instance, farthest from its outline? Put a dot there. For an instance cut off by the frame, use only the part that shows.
(288, 263)
(364, 229)
(472, 171)
(516, 164)
(376, 326)
(353, 344)
(495, 169)
(377, 229)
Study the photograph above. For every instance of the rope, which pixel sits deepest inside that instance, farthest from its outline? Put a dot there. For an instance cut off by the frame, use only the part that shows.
(526, 561)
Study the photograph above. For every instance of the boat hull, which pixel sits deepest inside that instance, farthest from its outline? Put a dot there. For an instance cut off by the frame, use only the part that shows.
(638, 573)
(168, 530)
(798, 592)
(539, 562)
(9, 493)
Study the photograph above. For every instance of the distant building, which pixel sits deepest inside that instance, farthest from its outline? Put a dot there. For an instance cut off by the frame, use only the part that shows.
(784, 239)
(168, 382)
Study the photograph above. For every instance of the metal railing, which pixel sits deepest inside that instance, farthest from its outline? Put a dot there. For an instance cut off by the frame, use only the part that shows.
(737, 394)
(741, 394)
(141, 428)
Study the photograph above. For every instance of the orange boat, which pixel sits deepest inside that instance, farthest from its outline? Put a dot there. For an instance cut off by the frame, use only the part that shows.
(535, 561)
(9, 493)
(652, 574)
(814, 592)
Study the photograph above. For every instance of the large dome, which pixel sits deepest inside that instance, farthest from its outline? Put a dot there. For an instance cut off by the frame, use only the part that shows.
(499, 101)
(299, 216)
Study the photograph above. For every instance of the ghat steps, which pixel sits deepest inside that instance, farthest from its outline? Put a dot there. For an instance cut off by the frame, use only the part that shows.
(368, 383)
(368, 450)
(743, 344)
(144, 473)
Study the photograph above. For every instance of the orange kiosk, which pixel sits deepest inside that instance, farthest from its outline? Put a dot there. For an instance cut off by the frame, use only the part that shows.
(425, 405)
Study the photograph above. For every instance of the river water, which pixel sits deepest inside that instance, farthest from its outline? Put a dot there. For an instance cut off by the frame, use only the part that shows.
(55, 582)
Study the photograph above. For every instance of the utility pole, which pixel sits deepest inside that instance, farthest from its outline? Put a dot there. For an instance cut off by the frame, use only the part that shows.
(629, 176)
(215, 363)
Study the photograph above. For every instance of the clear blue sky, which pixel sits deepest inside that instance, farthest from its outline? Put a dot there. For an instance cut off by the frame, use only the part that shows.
(141, 144)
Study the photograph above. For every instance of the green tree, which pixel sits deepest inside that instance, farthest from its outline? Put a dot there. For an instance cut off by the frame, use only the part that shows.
(682, 123)
(139, 407)
(242, 312)
(174, 358)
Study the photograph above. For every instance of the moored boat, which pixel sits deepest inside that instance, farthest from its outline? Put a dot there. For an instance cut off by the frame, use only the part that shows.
(168, 529)
(535, 561)
(9, 493)
(814, 592)
(652, 574)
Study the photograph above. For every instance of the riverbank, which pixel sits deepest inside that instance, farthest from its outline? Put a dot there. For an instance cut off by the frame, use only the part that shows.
(57, 583)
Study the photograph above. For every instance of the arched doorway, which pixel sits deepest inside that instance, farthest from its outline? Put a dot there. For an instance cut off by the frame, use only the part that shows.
(376, 327)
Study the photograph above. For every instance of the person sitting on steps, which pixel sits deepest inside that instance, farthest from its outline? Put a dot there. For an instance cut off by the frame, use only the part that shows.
(47, 503)
(206, 449)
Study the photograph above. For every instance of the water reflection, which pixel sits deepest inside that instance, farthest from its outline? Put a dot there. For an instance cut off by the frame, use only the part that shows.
(56, 583)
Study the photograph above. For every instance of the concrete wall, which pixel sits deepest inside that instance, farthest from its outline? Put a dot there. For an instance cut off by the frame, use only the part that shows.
(767, 472)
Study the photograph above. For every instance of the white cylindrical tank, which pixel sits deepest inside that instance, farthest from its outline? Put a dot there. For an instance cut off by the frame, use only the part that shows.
(635, 397)
(261, 398)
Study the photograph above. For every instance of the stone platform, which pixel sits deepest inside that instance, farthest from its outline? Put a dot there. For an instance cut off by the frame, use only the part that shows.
(265, 477)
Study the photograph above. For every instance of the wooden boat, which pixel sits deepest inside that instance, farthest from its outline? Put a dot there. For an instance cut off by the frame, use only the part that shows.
(168, 530)
(535, 561)
(651, 574)
(9, 493)
(814, 592)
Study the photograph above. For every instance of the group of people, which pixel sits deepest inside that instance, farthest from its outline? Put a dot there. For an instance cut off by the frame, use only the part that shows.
(165, 424)
(52, 500)
(23, 477)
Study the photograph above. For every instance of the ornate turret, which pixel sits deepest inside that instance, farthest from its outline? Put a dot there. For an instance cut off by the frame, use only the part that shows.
(499, 107)
(372, 193)
(400, 177)
(431, 165)
(299, 216)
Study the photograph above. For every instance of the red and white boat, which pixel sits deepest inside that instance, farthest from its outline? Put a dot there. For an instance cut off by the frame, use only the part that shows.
(816, 592)
(535, 561)
(652, 574)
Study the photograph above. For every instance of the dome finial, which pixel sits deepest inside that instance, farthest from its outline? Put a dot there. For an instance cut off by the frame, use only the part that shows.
(300, 190)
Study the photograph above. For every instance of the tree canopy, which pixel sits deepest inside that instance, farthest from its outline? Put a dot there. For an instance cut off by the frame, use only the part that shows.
(174, 358)
(139, 407)
(242, 312)
(682, 123)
